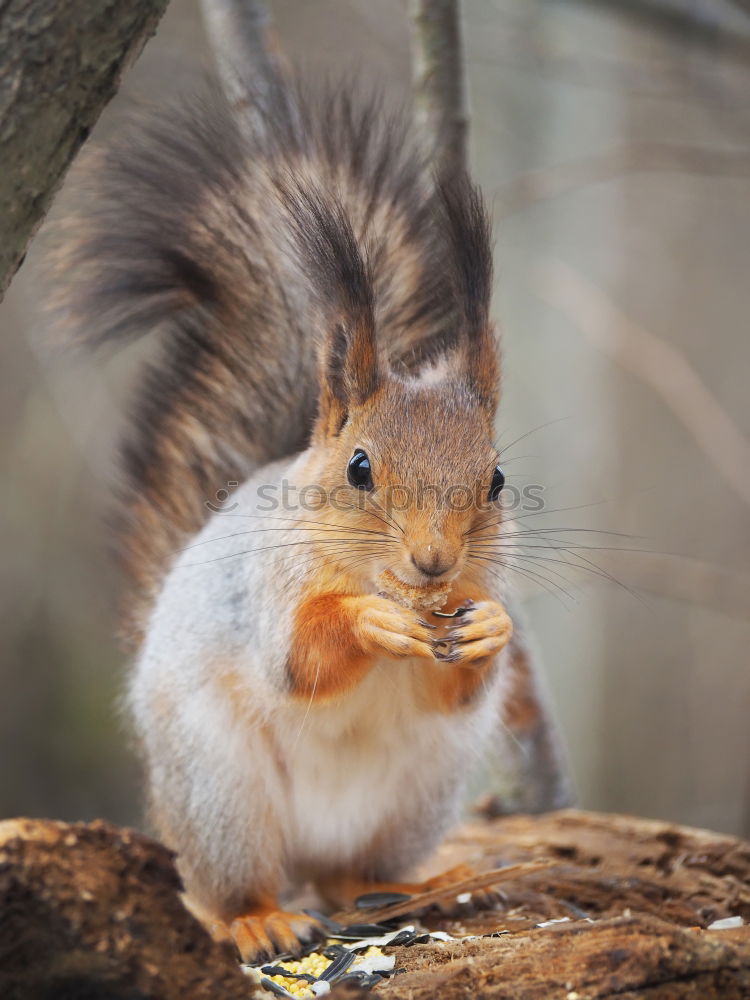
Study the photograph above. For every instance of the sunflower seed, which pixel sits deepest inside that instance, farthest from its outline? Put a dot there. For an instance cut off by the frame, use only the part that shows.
(338, 966)
(275, 988)
(374, 900)
(330, 925)
(405, 937)
(356, 931)
(279, 970)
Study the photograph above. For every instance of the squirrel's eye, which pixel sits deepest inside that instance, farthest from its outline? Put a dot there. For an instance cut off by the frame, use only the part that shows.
(498, 481)
(358, 471)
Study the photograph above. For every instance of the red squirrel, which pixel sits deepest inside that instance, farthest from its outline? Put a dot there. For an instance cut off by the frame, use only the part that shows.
(323, 300)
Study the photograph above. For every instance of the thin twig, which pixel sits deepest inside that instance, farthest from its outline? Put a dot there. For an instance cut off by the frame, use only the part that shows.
(657, 364)
(242, 41)
(481, 880)
(547, 183)
(440, 91)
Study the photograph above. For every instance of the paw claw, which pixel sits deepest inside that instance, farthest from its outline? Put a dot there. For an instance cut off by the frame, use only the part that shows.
(260, 936)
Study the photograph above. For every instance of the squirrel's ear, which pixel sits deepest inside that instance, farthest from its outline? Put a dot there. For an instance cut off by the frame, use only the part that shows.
(467, 229)
(336, 265)
(350, 372)
(481, 357)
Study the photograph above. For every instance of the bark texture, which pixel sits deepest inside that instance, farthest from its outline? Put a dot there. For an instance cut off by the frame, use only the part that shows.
(635, 898)
(92, 911)
(60, 63)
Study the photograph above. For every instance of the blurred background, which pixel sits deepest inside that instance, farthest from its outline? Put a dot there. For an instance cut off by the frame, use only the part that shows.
(612, 139)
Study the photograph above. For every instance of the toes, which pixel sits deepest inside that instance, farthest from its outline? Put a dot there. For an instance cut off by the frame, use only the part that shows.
(398, 633)
(422, 649)
(259, 937)
(470, 652)
(252, 941)
(290, 931)
(484, 631)
(494, 626)
(398, 644)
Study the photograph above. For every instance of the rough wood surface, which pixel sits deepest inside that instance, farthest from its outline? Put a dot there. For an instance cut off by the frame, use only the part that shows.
(93, 911)
(59, 65)
(636, 897)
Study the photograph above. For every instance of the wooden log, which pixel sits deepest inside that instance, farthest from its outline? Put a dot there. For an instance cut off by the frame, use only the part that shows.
(632, 899)
(96, 911)
(92, 912)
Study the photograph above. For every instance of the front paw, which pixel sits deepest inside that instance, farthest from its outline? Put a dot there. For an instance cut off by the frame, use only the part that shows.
(385, 627)
(485, 631)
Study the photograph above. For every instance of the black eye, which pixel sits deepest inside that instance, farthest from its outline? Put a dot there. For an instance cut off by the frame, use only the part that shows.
(498, 481)
(358, 471)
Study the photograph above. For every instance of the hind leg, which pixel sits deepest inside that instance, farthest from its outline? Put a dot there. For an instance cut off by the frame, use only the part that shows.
(219, 804)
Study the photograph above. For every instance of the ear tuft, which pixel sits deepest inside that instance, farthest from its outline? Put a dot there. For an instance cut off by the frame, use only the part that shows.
(469, 234)
(340, 278)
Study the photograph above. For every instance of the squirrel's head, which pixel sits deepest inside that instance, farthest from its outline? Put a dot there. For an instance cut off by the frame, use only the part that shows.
(413, 472)
(408, 462)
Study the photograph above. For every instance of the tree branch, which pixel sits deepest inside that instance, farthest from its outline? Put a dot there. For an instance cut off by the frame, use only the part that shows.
(241, 38)
(657, 364)
(546, 183)
(59, 66)
(440, 91)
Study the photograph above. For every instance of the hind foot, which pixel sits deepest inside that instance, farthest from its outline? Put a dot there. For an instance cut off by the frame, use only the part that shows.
(266, 931)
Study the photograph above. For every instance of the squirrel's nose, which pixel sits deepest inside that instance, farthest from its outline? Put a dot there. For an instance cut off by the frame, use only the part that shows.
(433, 563)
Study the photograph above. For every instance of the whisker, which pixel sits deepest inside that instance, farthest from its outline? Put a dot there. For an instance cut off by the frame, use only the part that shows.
(586, 565)
(339, 544)
(540, 427)
(529, 574)
(515, 556)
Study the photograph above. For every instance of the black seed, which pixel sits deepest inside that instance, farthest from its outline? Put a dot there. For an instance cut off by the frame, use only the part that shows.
(404, 938)
(352, 977)
(330, 925)
(334, 950)
(372, 980)
(356, 931)
(274, 987)
(374, 900)
(338, 966)
(279, 970)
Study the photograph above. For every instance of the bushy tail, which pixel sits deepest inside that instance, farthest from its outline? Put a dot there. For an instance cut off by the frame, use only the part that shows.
(186, 222)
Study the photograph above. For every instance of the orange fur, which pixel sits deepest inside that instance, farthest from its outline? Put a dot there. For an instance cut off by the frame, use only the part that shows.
(265, 929)
(336, 638)
(324, 660)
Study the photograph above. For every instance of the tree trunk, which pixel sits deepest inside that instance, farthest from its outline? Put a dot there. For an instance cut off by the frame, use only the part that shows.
(60, 63)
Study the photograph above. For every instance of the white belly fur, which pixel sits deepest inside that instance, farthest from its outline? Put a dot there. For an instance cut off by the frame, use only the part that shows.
(372, 755)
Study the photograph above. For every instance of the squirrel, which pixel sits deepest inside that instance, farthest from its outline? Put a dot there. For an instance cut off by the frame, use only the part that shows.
(323, 304)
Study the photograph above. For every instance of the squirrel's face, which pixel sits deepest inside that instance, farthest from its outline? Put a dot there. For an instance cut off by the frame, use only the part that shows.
(415, 475)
